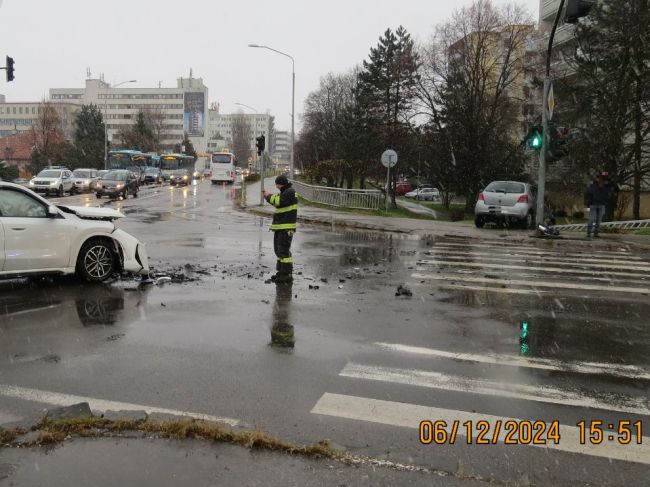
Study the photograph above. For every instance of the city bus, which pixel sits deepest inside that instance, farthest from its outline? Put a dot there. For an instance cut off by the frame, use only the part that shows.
(222, 167)
(178, 169)
(131, 160)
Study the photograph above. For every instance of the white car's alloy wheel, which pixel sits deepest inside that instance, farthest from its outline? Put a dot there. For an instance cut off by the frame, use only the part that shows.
(98, 262)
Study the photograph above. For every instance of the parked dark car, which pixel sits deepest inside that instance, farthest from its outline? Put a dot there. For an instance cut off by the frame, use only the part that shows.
(119, 184)
(153, 175)
(401, 188)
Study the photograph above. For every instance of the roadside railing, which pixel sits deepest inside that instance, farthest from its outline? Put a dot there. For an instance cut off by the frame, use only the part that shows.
(629, 225)
(368, 199)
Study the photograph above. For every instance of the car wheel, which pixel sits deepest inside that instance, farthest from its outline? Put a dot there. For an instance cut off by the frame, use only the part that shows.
(98, 195)
(479, 221)
(125, 194)
(72, 190)
(96, 261)
(59, 193)
(528, 222)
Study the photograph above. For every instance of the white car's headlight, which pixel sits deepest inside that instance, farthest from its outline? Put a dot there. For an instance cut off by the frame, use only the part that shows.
(184, 177)
(119, 186)
(31, 183)
(54, 183)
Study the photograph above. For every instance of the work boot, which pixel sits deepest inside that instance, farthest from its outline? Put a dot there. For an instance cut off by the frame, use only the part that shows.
(282, 278)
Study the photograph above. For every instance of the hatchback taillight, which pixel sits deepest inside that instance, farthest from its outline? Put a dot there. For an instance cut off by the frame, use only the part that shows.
(481, 197)
(523, 199)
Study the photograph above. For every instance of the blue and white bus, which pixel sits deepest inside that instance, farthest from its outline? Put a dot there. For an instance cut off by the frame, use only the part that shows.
(178, 169)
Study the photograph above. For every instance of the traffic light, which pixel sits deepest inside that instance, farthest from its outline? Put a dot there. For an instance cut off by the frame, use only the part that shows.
(558, 144)
(576, 9)
(260, 144)
(534, 138)
(10, 69)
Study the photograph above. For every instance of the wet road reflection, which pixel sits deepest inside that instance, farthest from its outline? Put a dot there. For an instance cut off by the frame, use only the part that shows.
(282, 331)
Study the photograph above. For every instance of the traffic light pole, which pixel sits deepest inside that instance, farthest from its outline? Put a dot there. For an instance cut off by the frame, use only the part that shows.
(262, 179)
(541, 176)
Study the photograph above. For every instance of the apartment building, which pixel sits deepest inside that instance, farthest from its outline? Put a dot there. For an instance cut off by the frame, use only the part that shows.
(20, 117)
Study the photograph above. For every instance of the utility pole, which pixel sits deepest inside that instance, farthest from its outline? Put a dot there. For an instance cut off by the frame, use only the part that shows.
(541, 176)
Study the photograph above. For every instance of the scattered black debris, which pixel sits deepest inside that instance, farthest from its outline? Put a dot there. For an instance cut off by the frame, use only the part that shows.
(402, 290)
(311, 286)
(323, 279)
(266, 301)
(163, 305)
(341, 280)
(114, 338)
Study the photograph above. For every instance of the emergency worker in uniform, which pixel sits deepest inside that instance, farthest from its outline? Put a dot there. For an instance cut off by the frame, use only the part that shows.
(283, 227)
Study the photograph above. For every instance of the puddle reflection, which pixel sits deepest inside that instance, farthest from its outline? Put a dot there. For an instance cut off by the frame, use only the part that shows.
(282, 331)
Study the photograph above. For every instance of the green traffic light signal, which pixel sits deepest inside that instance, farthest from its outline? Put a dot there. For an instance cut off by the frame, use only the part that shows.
(536, 142)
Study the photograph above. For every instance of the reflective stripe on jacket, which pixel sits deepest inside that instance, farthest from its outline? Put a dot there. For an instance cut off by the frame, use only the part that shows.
(286, 209)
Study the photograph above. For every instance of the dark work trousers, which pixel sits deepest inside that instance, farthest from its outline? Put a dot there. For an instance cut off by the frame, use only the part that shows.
(282, 247)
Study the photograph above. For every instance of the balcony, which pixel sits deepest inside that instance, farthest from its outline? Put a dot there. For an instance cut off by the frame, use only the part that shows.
(549, 9)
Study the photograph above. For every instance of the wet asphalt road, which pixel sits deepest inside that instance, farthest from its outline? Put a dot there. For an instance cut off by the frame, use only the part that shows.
(366, 366)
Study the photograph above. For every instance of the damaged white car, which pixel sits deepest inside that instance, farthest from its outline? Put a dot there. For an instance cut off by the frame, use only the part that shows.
(38, 238)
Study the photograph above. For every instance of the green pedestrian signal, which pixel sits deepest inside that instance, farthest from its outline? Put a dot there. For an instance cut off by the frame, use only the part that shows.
(534, 138)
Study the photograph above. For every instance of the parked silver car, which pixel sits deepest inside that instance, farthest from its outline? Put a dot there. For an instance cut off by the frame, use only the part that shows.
(507, 202)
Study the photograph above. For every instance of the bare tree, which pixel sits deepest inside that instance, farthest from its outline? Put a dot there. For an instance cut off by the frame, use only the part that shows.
(470, 88)
(241, 139)
(49, 141)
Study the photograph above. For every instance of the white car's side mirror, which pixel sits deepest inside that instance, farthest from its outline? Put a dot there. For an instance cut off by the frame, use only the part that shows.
(52, 211)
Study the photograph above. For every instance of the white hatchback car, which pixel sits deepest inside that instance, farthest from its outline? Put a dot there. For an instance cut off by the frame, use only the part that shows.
(39, 238)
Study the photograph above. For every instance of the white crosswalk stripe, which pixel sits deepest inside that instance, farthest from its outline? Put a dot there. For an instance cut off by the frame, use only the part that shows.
(515, 269)
(410, 415)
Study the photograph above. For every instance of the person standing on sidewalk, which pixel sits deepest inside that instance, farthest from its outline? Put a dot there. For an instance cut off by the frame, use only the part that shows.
(283, 227)
(596, 199)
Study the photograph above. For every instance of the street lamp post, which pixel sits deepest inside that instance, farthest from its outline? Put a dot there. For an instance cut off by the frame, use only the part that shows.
(293, 100)
(106, 119)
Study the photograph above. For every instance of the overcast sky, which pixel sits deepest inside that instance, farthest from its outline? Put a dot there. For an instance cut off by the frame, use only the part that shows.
(152, 41)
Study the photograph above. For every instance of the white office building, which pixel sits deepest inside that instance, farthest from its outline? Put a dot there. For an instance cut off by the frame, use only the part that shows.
(19, 117)
(220, 127)
(180, 109)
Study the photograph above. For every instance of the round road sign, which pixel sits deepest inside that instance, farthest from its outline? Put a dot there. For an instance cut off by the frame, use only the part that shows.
(389, 158)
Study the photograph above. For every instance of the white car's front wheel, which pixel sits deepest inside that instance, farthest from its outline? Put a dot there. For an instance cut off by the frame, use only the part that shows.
(96, 261)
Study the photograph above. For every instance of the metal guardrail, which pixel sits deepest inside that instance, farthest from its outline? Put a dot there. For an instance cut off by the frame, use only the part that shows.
(368, 199)
(629, 225)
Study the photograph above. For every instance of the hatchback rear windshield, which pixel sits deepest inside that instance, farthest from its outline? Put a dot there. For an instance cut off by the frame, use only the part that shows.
(116, 176)
(506, 187)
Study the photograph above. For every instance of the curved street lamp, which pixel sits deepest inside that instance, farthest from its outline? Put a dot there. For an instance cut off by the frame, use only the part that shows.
(293, 97)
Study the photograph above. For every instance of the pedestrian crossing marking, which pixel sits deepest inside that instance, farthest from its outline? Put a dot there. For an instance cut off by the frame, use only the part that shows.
(536, 283)
(499, 290)
(545, 394)
(558, 270)
(537, 259)
(618, 370)
(505, 247)
(406, 415)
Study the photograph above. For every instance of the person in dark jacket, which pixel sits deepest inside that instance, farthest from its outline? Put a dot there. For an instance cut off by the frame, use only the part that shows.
(596, 199)
(283, 227)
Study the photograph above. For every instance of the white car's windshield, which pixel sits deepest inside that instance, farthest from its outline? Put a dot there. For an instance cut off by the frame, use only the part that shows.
(49, 174)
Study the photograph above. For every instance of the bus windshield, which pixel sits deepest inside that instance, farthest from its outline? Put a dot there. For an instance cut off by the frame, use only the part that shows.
(119, 161)
(222, 158)
(173, 163)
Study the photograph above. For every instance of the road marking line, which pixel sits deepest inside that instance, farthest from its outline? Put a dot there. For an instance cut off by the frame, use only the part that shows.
(545, 394)
(503, 247)
(58, 399)
(570, 261)
(527, 268)
(410, 415)
(512, 282)
(619, 370)
(499, 290)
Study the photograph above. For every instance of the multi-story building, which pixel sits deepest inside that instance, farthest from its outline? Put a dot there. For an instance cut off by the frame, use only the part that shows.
(282, 148)
(220, 128)
(19, 117)
(179, 110)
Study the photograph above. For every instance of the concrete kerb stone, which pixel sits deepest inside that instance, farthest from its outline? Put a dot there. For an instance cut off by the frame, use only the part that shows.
(75, 411)
(570, 239)
(137, 416)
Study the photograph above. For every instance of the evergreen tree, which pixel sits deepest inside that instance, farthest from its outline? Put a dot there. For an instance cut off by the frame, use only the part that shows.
(189, 147)
(387, 87)
(612, 92)
(88, 149)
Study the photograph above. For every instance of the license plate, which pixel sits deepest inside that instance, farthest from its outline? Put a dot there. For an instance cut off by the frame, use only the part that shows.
(494, 209)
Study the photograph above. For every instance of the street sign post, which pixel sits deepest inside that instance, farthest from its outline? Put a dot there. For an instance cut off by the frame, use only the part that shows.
(389, 160)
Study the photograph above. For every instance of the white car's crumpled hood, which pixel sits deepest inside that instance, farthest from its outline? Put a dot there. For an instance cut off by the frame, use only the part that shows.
(93, 213)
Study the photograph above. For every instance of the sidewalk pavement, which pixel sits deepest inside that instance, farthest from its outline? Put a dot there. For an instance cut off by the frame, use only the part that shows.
(421, 227)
